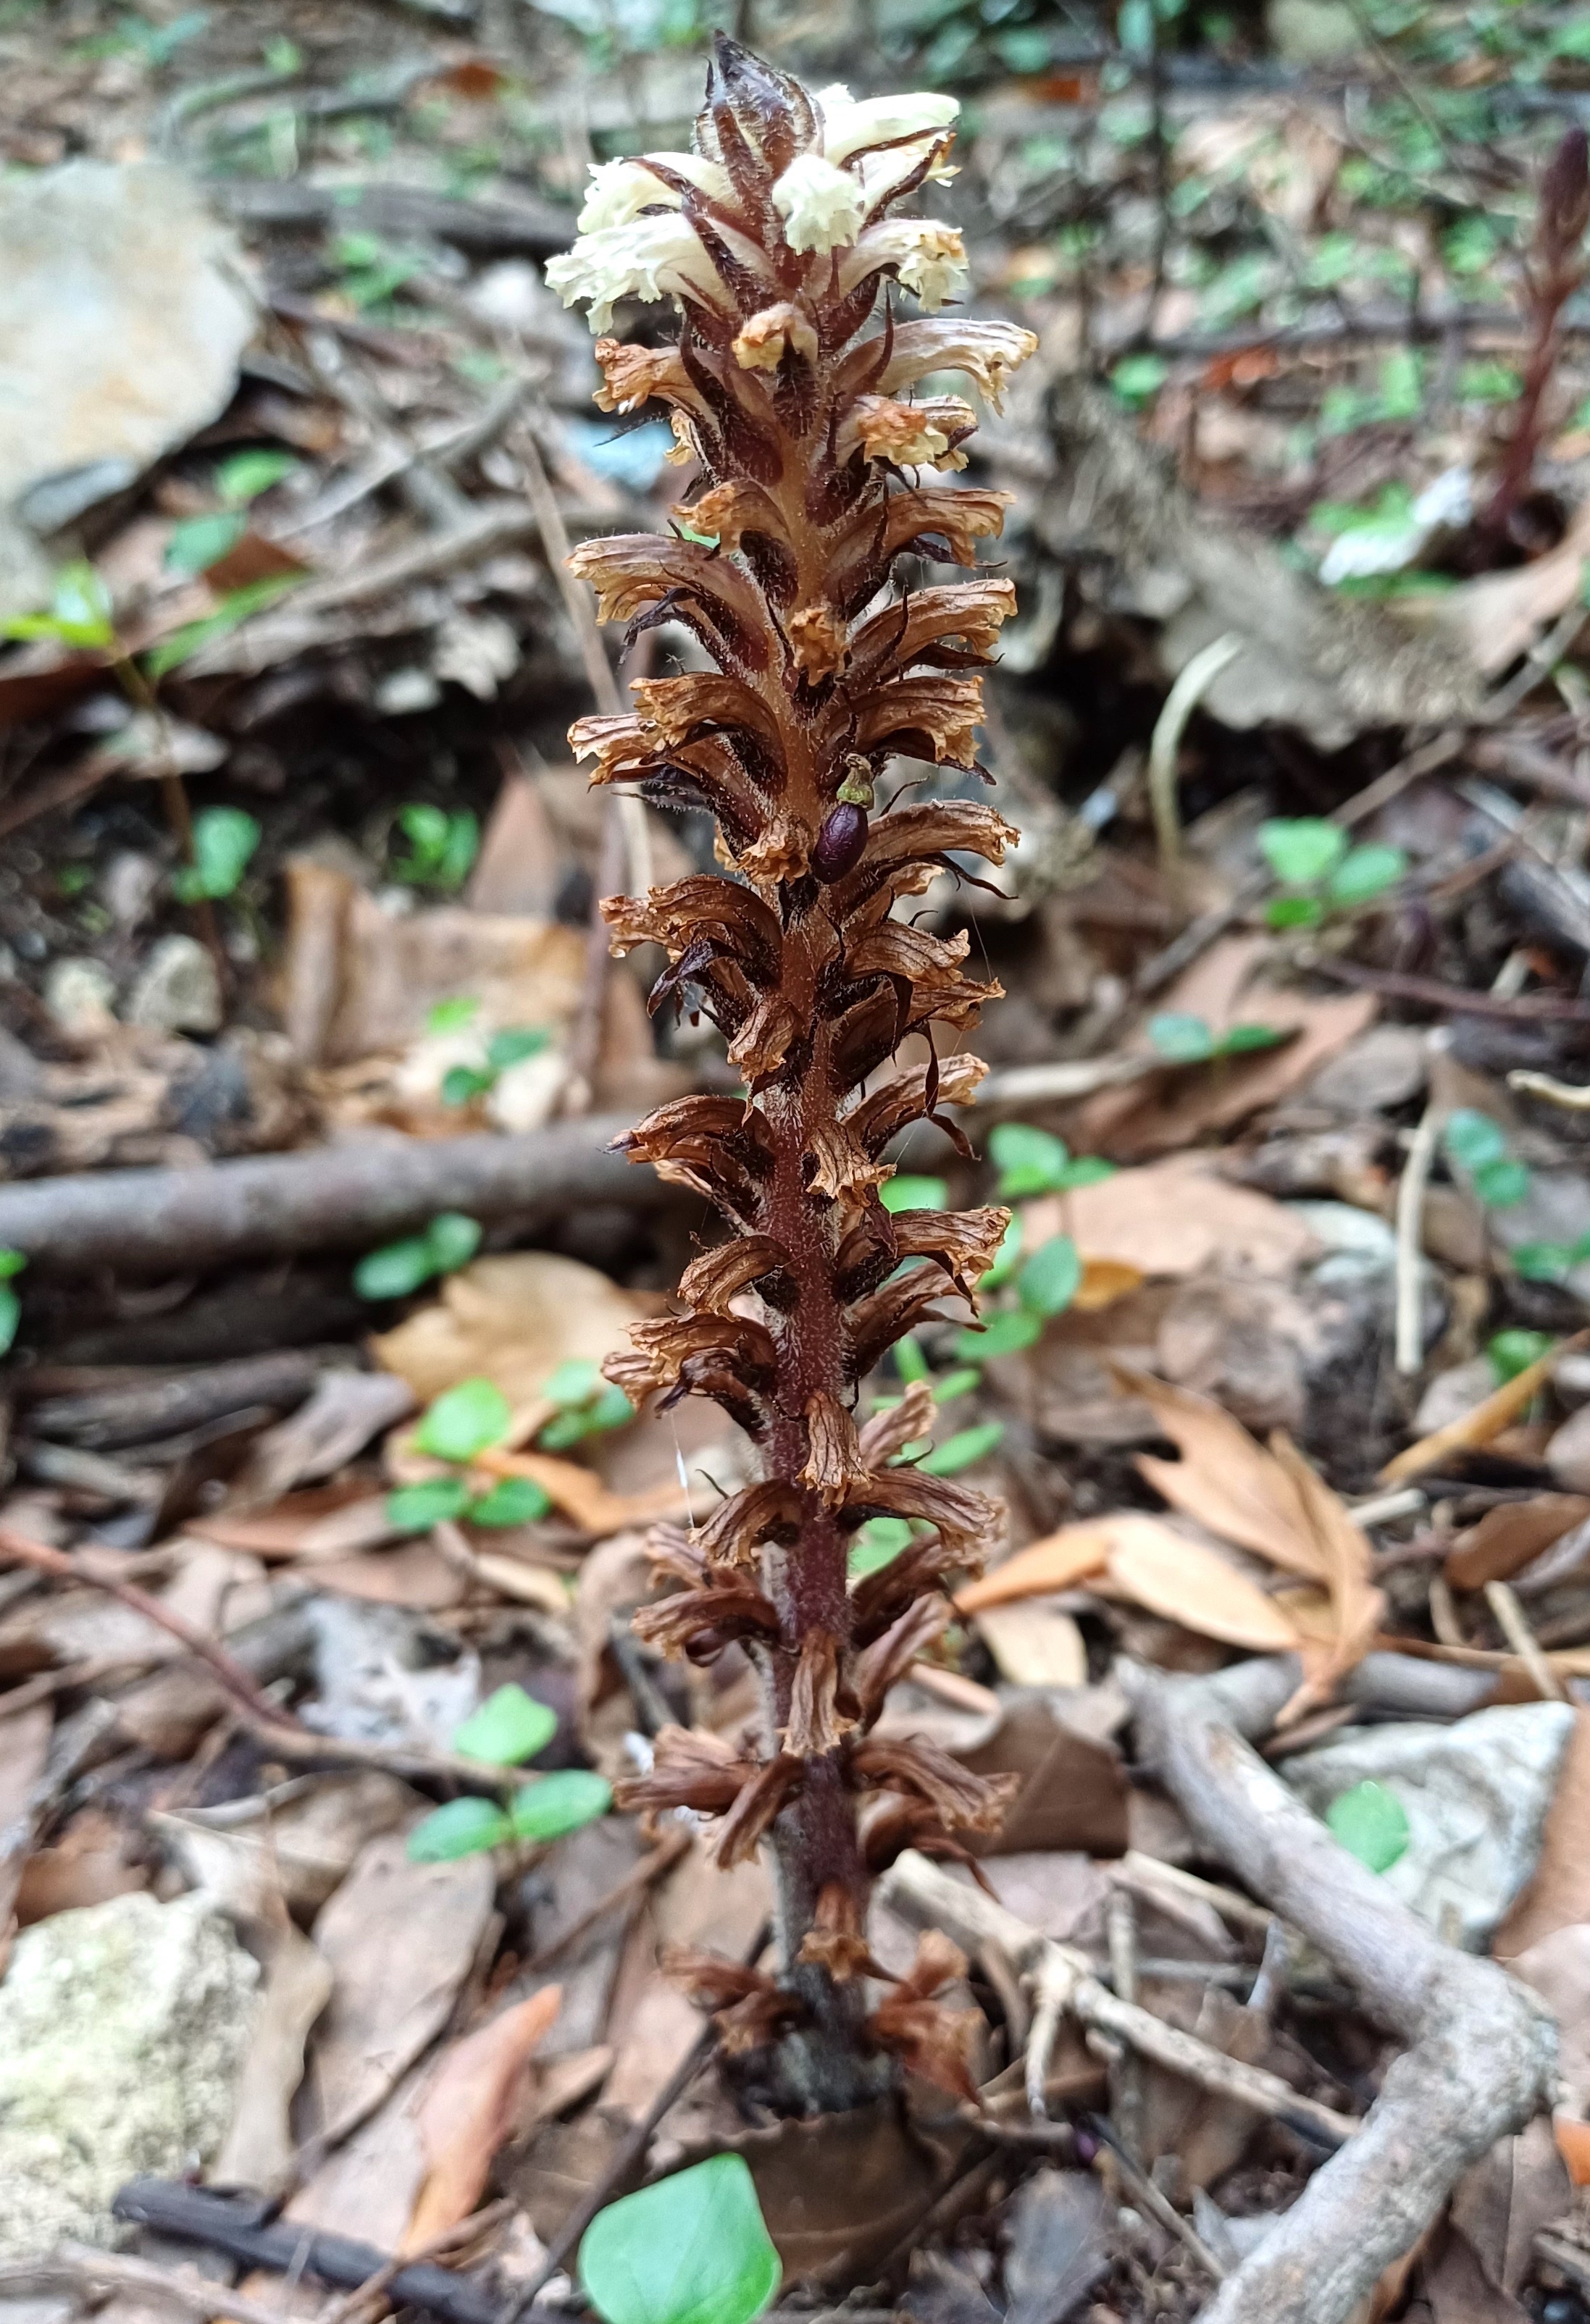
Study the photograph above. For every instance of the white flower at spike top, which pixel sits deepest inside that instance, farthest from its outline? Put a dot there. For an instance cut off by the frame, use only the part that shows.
(634, 243)
(821, 206)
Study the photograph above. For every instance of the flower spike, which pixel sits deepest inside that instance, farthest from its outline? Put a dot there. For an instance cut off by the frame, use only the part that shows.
(777, 239)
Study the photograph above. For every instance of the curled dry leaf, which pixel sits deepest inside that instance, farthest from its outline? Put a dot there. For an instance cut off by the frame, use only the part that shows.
(1173, 1218)
(513, 1319)
(470, 2108)
(1189, 1583)
(1074, 1553)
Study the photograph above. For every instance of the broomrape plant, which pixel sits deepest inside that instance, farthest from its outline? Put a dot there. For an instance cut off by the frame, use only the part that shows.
(774, 237)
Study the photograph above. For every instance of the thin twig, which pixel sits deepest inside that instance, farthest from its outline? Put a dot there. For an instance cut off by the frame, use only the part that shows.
(639, 1877)
(1514, 1627)
(1574, 1097)
(61, 1567)
(74, 2267)
(1527, 1008)
(1126, 2097)
(1193, 683)
(1410, 1272)
(446, 2239)
(1159, 2206)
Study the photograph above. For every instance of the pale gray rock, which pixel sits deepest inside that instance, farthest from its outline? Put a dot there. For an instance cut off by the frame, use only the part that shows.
(178, 989)
(1568, 1456)
(1475, 1794)
(123, 309)
(122, 2029)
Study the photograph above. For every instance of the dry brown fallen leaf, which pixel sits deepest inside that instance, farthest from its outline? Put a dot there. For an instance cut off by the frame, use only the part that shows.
(470, 2108)
(1274, 1504)
(1059, 1562)
(513, 1319)
(1557, 1894)
(1186, 1582)
(1034, 1645)
(1496, 616)
(581, 1495)
(1484, 1423)
(1508, 1537)
(1172, 1217)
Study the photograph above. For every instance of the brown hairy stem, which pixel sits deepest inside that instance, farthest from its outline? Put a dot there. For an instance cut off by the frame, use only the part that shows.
(790, 389)
(1553, 272)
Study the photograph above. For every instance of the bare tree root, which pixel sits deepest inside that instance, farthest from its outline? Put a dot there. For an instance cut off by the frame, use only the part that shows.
(1482, 2050)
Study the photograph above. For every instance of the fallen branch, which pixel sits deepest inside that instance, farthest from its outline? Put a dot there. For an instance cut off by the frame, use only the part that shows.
(1517, 1008)
(78, 2269)
(333, 1197)
(243, 2227)
(926, 1895)
(1481, 2052)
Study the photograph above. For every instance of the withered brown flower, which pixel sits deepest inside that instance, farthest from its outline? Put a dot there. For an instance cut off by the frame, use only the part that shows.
(819, 467)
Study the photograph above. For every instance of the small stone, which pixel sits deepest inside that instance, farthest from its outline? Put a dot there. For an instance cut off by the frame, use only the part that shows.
(79, 995)
(1382, 1068)
(179, 990)
(122, 2030)
(1568, 1456)
(127, 886)
(1475, 1794)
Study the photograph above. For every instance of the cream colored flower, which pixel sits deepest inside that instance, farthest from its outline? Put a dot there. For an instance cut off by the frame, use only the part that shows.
(931, 258)
(621, 190)
(822, 207)
(851, 126)
(910, 435)
(762, 342)
(648, 258)
(986, 352)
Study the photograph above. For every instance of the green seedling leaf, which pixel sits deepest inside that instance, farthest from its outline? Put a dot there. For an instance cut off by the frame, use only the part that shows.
(512, 1502)
(1005, 1335)
(1372, 1824)
(878, 1544)
(1242, 1038)
(1185, 1040)
(1302, 852)
(462, 1828)
(959, 1382)
(514, 1045)
(905, 1191)
(464, 1420)
(693, 2249)
(458, 857)
(223, 839)
(452, 1240)
(910, 1361)
(462, 1085)
(11, 1262)
(198, 543)
(245, 475)
(1472, 1139)
(454, 1016)
(560, 1804)
(576, 1380)
(1005, 1258)
(1029, 1161)
(509, 1727)
(1503, 1186)
(415, 1508)
(611, 1409)
(235, 608)
(78, 615)
(395, 1269)
(9, 1317)
(1293, 912)
(1046, 1284)
(1513, 1351)
(1544, 1262)
(961, 1451)
(1136, 380)
(1085, 1170)
(1365, 873)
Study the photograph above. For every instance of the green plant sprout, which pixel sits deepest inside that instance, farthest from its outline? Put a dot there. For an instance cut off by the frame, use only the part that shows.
(463, 1423)
(12, 1263)
(1034, 1162)
(1372, 1824)
(1550, 1262)
(1186, 1040)
(692, 2249)
(509, 1727)
(198, 543)
(1476, 1148)
(461, 1085)
(588, 1406)
(372, 271)
(1512, 1351)
(443, 846)
(449, 1242)
(224, 840)
(1323, 872)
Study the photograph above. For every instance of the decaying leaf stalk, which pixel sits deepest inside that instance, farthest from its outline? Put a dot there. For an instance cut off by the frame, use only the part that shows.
(774, 237)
